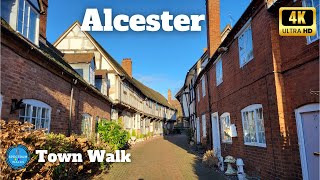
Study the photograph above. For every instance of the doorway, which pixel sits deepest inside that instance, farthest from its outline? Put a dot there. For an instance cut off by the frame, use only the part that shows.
(307, 118)
(216, 138)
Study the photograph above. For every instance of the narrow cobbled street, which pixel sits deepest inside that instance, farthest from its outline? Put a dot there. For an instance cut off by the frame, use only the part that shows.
(166, 157)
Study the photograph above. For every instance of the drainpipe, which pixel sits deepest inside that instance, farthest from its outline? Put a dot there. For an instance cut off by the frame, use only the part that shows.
(210, 109)
(195, 112)
(74, 81)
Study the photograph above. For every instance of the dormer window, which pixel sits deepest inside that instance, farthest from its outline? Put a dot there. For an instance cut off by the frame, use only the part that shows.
(28, 20)
(23, 16)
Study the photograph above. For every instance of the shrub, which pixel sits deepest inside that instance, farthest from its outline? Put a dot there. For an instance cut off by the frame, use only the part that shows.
(209, 159)
(113, 134)
(14, 133)
(133, 133)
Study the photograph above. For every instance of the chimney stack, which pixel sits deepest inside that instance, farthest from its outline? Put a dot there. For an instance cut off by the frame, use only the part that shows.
(127, 66)
(213, 26)
(169, 95)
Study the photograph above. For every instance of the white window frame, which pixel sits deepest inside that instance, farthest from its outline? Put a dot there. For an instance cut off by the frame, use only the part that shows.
(222, 118)
(238, 35)
(37, 104)
(30, 7)
(219, 72)
(309, 41)
(253, 108)
(204, 125)
(203, 85)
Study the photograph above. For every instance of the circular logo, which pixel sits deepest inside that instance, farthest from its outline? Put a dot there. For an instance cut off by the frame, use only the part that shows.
(17, 156)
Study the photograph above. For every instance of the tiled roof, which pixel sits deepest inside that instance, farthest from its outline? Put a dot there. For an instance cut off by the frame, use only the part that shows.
(78, 57)
(152, 94)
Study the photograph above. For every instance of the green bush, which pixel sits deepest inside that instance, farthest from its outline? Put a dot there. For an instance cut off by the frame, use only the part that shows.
(113, 134)
(133, 133)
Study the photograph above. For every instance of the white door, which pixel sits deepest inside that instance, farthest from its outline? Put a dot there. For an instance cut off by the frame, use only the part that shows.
(307, 118)
(216, 138)
(198, 130)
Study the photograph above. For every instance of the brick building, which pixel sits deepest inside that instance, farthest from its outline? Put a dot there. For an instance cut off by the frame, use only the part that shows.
(37, 85)
(259, 94)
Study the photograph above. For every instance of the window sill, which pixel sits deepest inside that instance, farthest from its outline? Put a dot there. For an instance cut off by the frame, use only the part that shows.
(256, 144)
(36, 43)
(310, 42)
(244, 64)
(219, 83)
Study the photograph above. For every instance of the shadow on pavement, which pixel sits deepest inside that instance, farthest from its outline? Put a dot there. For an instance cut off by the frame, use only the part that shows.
(201, 171)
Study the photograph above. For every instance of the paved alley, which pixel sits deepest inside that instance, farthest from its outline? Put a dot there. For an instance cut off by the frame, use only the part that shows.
(161, 158)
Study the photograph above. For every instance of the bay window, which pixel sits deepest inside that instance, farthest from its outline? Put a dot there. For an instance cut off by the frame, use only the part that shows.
(253, 125)
(37, 113)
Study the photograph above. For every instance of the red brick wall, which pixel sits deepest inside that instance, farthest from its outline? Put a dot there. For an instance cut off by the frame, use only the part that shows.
(202, 107)
(24, 79)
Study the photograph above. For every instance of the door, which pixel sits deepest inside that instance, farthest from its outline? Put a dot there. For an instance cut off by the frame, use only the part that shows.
(308, 134)
(216, 138)
(198, 130)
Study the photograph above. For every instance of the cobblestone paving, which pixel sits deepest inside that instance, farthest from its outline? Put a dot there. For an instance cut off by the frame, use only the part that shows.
(161, 158)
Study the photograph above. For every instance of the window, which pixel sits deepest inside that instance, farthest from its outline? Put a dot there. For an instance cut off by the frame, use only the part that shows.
(198, 94)
(37, 113)
(98, 84)
(315, 4)
(86, 125)
(225, 128)
(79, 71)
(253, 125)
(204, 128)
(219, 73)
(203, 85)
(28, 18)
(245, 45)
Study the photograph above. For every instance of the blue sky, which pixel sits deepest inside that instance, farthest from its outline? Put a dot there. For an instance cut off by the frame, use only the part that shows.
(160, 59)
